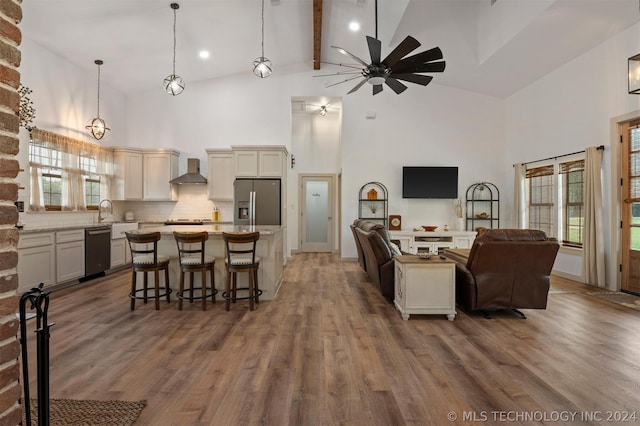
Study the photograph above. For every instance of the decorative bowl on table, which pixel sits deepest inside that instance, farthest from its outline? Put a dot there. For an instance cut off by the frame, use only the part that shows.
(429, 228)
(425, 256)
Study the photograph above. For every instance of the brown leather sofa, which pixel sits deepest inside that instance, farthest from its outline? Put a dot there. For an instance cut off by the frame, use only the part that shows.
(506, 269)
(374, 254)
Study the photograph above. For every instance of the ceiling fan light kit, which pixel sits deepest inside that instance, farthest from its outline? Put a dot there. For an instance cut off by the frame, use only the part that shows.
(396, 66)
(98, 127)
(262, 66)
(174, 84)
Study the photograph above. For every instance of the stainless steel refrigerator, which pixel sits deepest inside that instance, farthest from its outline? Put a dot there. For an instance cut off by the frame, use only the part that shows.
(257, 202)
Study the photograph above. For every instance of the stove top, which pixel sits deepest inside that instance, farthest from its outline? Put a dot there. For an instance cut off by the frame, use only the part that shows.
(184, 222)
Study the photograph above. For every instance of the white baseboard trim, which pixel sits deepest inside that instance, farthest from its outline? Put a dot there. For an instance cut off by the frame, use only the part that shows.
(568, 276)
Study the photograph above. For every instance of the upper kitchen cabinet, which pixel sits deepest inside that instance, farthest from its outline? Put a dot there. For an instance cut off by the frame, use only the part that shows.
(127, 174)
(158, 168)
(221, 174)
(260, 161)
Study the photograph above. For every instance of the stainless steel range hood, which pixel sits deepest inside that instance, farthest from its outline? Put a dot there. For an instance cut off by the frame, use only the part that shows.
(193, 175)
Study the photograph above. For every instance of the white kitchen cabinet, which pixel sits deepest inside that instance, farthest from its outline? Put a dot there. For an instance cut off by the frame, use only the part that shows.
(260, 161)
(220, 174)
(120, 253)
(36, 260)
(127, 174)
(69, 255)
(158, 168)
(120, 250)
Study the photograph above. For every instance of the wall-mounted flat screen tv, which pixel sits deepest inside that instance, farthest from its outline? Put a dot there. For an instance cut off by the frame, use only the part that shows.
(429, 182)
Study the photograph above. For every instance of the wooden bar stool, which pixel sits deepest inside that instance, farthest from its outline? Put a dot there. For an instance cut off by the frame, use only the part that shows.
(145, 259)
(191, 251)
(241, 257)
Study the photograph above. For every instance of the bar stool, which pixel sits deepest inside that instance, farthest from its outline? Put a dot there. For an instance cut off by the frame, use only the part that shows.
(191, 251)
(241, 257)
(145, 259)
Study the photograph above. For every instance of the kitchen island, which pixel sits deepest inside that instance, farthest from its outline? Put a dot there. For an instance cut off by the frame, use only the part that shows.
(270, 249)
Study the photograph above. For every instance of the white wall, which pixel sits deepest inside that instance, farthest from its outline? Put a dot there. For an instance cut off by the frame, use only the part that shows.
(431, 126)
(65, 99)
(569, 110)
(316, 145)
(65, 95)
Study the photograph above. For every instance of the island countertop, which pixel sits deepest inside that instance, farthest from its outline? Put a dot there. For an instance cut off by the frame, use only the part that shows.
(270, 249)
(212, 229)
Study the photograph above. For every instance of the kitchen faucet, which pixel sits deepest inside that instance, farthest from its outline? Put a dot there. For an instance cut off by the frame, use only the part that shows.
(100, 218)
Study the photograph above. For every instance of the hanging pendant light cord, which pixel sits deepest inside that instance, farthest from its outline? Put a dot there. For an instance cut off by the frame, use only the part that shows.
(98, 115)
(174, 41)
(262, 29)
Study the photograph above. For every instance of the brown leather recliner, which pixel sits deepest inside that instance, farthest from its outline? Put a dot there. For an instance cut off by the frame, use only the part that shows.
(375, 254)
(378, 260)
(506, 269)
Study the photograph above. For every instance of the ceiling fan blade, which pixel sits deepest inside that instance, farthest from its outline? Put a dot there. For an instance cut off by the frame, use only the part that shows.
(357, 86)
(351, 55)
(407, 46)
(428, 67)
(338, 73)
(395, 85)
(377, 89)
(344, 81)
(342, 65)
(375, 47)
(419, 58)
(413, 78)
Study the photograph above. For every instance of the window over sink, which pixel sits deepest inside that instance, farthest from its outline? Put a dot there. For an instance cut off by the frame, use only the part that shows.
(67, 174)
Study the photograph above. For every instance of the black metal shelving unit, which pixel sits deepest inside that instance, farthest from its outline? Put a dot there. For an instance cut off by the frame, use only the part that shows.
(373, 209)
(482, 206)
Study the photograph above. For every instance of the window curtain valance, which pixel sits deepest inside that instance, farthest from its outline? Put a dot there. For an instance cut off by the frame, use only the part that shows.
(74, 160)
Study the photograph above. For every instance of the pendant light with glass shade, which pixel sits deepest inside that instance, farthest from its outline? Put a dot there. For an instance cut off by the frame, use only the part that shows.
(173, 84)
(98, 128)
(262, 65)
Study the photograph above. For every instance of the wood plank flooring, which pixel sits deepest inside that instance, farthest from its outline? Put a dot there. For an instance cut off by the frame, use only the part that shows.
(330, 350)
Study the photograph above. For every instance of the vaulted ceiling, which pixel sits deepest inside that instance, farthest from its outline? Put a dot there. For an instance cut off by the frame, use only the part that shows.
(493, 49)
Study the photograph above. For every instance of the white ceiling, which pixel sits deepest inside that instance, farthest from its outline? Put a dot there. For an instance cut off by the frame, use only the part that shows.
(495, 50)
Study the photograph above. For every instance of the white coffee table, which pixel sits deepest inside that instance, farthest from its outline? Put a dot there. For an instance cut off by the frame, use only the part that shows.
(425, 286)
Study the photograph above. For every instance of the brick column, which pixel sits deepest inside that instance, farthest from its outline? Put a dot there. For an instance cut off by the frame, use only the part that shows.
(10, 38)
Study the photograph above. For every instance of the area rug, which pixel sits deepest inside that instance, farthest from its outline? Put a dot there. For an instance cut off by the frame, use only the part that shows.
(67, 412)
(625, 299)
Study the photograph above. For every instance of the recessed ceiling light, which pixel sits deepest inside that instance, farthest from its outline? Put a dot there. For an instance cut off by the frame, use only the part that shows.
(354, 26)
(204, 54)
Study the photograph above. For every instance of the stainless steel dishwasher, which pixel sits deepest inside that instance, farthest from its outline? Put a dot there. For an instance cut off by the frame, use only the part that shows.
(97, 250)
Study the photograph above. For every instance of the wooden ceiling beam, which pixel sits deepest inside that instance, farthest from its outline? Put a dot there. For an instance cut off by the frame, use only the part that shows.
(317, 33)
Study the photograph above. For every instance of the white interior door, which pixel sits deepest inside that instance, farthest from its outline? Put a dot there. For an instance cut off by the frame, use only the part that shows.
(316, 213)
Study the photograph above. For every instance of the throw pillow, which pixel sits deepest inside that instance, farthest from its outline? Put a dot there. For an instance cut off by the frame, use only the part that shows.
(395, 250)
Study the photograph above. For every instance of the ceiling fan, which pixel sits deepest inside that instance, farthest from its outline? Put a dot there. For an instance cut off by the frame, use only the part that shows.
(394, 67)
(320, 109)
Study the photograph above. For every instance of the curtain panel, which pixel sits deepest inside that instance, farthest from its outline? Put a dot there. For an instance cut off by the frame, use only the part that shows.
(593, 247)
(520, 202)
(74, 160)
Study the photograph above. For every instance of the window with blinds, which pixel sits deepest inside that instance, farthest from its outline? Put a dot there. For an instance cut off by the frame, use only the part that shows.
(572, 193)
(556, 200)
(541, 205)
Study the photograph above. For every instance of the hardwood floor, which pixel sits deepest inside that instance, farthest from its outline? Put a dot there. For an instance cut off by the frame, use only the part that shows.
(330, 350)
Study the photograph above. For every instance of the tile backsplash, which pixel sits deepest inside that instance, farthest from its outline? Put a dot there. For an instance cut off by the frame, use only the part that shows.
(193, 203)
